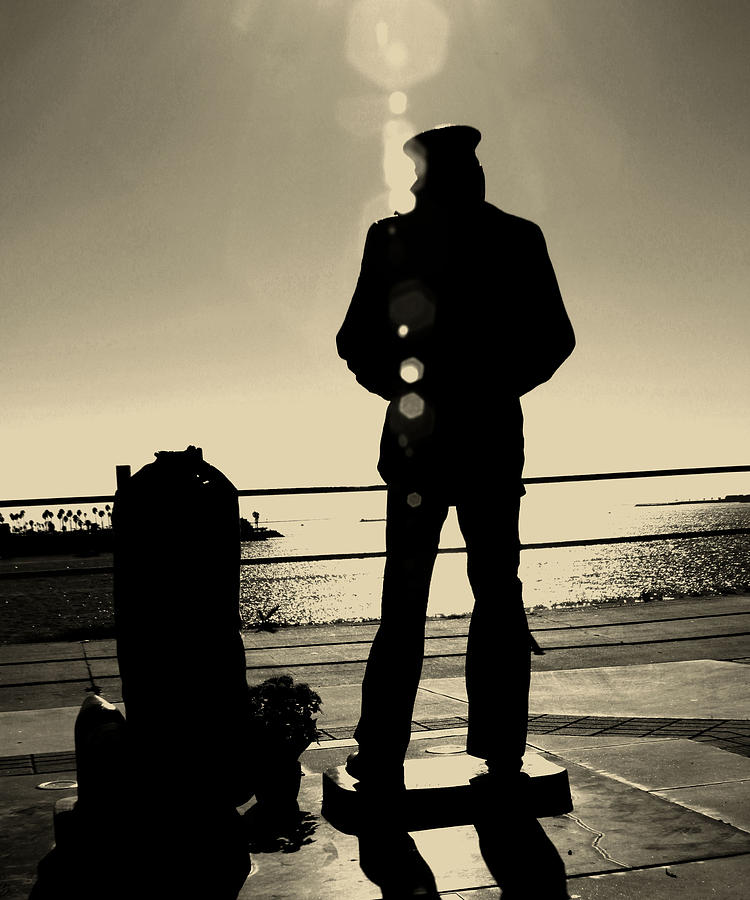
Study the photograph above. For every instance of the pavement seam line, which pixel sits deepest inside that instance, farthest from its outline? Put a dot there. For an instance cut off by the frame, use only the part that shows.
(650, 867)
(598, 836)
(93, 686)
(636, 621)
(271, 665)
(447, 696)
(38, 662)
(687, 787)
(540, 630)
(547, 649)
(20, 684)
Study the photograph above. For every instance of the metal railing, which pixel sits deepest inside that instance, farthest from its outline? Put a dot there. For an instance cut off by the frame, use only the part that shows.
(340, 489)
(347, 489)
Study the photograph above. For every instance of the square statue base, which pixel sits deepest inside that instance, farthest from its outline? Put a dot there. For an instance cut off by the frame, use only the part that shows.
(439, 793)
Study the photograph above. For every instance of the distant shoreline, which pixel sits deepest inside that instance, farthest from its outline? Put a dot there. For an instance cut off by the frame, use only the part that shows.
(85, 544)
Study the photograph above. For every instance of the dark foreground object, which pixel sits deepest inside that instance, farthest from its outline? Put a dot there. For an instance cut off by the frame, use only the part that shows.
(196, 715)
(444, 792)
(145, 852)
(137, 774)
(126, 835)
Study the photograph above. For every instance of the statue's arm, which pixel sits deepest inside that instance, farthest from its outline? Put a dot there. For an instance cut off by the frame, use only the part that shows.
(364, 337)
(550, 339)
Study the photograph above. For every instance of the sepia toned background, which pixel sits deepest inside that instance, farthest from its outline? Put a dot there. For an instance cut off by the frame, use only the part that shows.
(186, 188)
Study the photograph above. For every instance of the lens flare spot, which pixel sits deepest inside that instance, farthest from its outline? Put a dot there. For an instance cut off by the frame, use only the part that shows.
(397, 103)
(411, 370)
(396, 55)
(411, 406)
(381, 34)
(402, 331)
(397, 43)
(414, 499)
(411, 306)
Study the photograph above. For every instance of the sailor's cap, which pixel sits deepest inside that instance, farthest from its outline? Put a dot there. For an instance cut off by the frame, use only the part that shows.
(444, 143)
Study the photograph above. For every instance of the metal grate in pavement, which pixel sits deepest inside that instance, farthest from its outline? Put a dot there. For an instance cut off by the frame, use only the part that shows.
(38, 763)
(728, 734)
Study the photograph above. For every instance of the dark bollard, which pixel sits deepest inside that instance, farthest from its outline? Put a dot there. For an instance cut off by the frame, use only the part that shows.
(156, 813)
(176, 593)
(95, 824)
(101, 775)
(182, 664)
(101, 758)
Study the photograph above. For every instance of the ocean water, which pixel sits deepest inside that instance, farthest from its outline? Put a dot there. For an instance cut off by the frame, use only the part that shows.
(349, 590)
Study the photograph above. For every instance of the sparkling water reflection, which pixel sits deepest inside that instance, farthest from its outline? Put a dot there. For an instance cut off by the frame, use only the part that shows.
(349, 590)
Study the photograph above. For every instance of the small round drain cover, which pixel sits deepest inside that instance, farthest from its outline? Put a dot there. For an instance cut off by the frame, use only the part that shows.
(446, 749)
(57, 785)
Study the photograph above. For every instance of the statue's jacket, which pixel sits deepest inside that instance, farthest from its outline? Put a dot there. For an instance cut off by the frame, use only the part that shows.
(456, 314)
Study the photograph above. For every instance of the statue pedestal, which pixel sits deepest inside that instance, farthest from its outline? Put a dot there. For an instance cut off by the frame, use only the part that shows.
(439, 793)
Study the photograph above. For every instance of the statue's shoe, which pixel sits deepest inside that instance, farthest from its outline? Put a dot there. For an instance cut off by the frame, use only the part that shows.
(369, 771)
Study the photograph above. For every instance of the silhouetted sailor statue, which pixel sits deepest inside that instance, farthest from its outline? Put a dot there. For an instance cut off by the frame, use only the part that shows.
(456, 315)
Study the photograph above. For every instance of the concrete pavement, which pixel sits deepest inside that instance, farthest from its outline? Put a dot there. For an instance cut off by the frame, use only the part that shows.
(646, 706)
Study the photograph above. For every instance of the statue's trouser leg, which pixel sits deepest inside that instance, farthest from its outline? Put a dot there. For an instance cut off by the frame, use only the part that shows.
(394, 666)
(498, 657)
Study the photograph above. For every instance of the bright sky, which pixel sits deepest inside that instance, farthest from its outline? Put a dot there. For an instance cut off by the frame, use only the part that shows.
(186, 187)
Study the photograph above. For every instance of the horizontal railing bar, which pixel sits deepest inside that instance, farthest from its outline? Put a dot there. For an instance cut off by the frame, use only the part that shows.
(637, 538)
(336, 489)
(53, 501)
(379, 554)
(646, 473)
(350, 489)
(542, 545)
